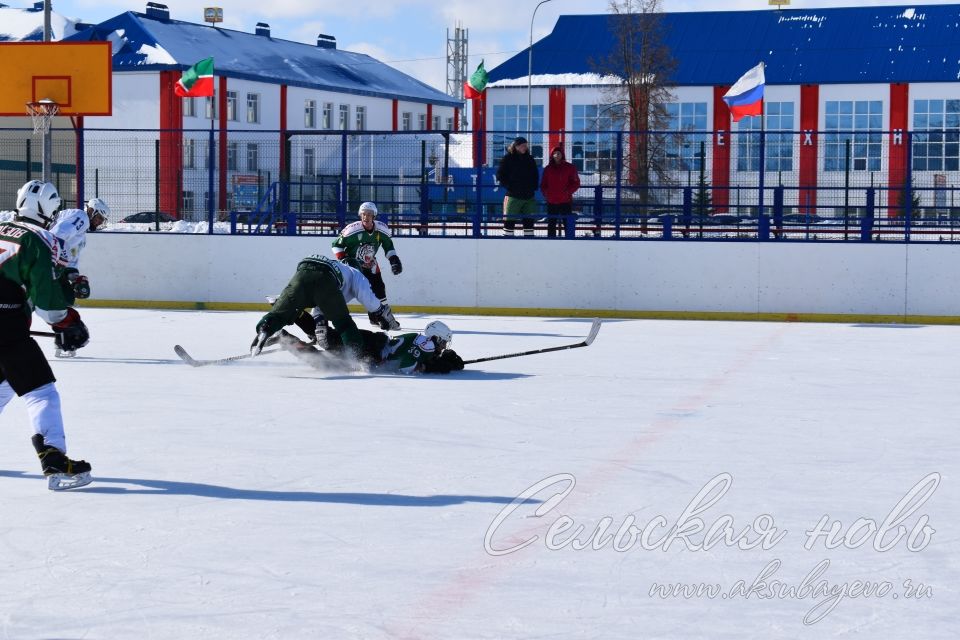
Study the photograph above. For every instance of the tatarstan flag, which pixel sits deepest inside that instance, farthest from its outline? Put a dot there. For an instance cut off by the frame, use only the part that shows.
(196, 81)
(475, 86)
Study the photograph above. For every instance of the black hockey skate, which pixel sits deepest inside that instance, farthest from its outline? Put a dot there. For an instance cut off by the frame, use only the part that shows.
(61, 472)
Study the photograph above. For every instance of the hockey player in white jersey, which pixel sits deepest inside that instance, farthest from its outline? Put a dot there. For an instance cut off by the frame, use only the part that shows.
(70, 229)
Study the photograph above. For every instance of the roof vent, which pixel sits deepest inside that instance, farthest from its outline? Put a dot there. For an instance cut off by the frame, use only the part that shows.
(37, 6)
(263, 29)
(326, 42)
(158, 11)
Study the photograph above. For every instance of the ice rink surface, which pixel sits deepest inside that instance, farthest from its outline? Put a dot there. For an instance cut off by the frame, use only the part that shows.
(266, 499)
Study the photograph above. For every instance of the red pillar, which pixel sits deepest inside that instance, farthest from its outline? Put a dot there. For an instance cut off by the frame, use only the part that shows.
(720, 170)
(809, 150)
(456, 118)
(557, 119)
(899, 110)
(283, 131)
(222, 106)
(396, 114)
(171, 139)
(478, 121)
(429, 117)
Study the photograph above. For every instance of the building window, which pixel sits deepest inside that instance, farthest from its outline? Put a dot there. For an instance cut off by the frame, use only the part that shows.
(343, 122)
(231, 105)
(253, 108)
(309, 114)
(436, 123)
(309, 162)
(407, 121)
(936, 135)
(683, 150)
(328, 115)
(361, 114)
(593, 138)
(188, 201)
(449, 124)
(778, 147)
(231, 156)
(422, 121)
(509, 121)
(210, 106)
(189, 154)
(856, 124)
(253, 157)
(189, 108)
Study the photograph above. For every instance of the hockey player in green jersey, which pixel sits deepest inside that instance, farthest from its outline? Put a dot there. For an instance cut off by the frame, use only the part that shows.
(29, 283)
(326, 284)
(427, 352)
(361, 240)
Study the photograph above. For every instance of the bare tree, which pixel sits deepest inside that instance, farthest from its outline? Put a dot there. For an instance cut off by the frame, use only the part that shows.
(645, 66)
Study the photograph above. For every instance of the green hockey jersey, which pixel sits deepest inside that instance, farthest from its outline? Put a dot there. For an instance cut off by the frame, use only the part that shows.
(362, 245)
(408, 352)
(29, 272)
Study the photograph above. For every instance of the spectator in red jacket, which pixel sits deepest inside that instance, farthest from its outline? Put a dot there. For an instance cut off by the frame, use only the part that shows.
(560, 181)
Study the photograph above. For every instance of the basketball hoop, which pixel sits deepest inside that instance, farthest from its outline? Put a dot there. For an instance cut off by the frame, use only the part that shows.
(42, 113)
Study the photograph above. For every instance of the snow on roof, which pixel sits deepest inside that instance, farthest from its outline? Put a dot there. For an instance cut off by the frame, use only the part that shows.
(559, 80)
(27, 24)
(142, 42)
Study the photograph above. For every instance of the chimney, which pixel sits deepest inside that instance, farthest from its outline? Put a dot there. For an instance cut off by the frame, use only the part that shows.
(158, 11)
(326, 42)
(263, 29)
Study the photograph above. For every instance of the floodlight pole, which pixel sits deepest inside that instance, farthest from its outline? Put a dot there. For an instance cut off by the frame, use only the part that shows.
(47, 148)
(530, 70)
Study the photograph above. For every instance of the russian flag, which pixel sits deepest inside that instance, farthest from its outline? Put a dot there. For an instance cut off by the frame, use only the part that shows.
(745, 98)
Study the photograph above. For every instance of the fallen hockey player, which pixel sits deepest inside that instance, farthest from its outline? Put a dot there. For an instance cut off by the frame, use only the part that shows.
(407, 353)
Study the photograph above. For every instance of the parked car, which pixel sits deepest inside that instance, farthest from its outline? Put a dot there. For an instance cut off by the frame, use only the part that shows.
(149, 216)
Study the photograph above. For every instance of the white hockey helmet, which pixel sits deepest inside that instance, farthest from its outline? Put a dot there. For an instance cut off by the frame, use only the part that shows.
(97, 207)
(38, 201)
(368, 206)
(440, 333)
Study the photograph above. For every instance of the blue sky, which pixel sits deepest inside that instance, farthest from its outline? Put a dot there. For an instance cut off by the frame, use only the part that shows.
(409, 34)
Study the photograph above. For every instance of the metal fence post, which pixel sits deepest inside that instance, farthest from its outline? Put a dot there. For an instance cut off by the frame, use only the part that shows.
(908, 205)
(866, 223)
(478, 210)
(211, 169)
(597, 211)
(342, 203)
(618, 197)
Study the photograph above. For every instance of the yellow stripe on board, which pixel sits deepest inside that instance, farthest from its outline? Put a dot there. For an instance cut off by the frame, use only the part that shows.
(552, 313)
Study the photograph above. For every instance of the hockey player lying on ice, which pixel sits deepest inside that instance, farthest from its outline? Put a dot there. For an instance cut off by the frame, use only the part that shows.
(408, 353)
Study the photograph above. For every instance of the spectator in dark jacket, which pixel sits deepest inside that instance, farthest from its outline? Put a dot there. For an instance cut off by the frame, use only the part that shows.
(560, 181)
(518, 174)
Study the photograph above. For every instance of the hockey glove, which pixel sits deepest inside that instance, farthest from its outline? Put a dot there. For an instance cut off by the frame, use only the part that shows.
(71, 333)
(81, 286)
(384, 318)
(454, 361)
(395, 264)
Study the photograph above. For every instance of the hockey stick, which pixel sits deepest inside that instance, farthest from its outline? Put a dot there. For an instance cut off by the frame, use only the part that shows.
(186, 357)
(586, 342)
(44, 334)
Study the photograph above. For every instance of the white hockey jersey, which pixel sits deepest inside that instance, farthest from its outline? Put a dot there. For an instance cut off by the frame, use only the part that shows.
(70, 230)
(354, 284)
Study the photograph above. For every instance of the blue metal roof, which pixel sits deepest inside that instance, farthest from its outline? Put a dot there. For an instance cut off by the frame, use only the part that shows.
(909, 43)
(142, 40)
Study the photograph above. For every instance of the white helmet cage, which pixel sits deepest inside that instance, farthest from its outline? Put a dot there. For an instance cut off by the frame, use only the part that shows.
(38, 201)
(441, 334)
(368, 206)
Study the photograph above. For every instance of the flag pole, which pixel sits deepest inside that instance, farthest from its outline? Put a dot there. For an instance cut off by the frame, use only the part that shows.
(763, 149)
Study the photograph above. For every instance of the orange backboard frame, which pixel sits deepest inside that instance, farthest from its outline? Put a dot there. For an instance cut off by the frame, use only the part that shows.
(78, 76)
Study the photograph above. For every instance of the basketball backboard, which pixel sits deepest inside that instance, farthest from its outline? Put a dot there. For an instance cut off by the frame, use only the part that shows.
(76, 75)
